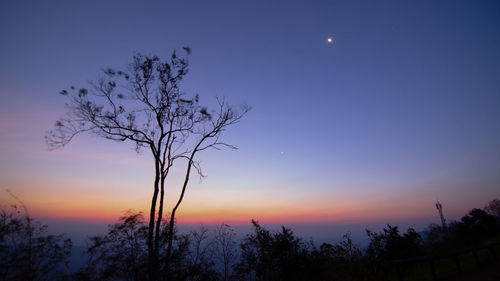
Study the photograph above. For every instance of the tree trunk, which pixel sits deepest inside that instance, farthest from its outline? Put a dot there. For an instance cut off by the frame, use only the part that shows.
(172, 216)
(152, 257)
(159, 218)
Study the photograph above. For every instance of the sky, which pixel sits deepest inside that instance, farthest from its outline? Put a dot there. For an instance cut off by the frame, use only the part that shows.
(399, 110)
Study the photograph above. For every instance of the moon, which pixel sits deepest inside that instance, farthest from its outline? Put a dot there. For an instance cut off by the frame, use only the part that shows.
(329, 40)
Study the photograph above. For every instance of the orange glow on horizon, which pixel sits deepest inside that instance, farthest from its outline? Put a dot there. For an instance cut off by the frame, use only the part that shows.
(108, 203)
(231, 215)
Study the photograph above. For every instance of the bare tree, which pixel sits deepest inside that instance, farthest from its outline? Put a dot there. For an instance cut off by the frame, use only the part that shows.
(200, 265)
(145, 106)
(201, 246)
(226, 251)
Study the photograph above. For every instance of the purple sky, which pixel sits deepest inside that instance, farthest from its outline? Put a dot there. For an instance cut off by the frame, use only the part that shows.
(401, 109)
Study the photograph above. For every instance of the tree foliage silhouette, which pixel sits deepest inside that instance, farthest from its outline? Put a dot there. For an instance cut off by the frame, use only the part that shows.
(26, 251)
(144, 105)
(273, 256)
(390, 244)
(493, 207)
(122, 254)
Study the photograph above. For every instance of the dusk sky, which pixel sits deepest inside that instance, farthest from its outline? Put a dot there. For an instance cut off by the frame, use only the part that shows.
(400, 109)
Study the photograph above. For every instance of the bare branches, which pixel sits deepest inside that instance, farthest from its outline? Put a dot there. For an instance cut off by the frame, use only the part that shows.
(144, 105)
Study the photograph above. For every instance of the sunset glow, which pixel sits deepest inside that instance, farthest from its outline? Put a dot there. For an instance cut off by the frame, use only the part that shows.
(389, 115)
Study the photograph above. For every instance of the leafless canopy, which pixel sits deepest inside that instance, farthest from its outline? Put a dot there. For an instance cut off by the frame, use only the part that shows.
(143, 105)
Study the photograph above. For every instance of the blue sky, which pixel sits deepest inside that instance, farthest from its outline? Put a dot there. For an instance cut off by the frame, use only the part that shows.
(401, 109)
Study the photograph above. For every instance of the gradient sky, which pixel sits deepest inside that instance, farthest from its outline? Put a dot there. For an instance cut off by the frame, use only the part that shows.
(403, 108)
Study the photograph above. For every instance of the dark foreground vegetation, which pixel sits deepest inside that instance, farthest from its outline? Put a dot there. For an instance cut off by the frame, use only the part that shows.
(28, 253)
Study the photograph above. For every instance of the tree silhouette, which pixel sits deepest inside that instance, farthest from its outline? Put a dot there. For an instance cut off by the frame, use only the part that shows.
(225, 245)
(273, 256)
(26, 251)
(493, 207)
(121, 254)
(390, 244)
(144, 105)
